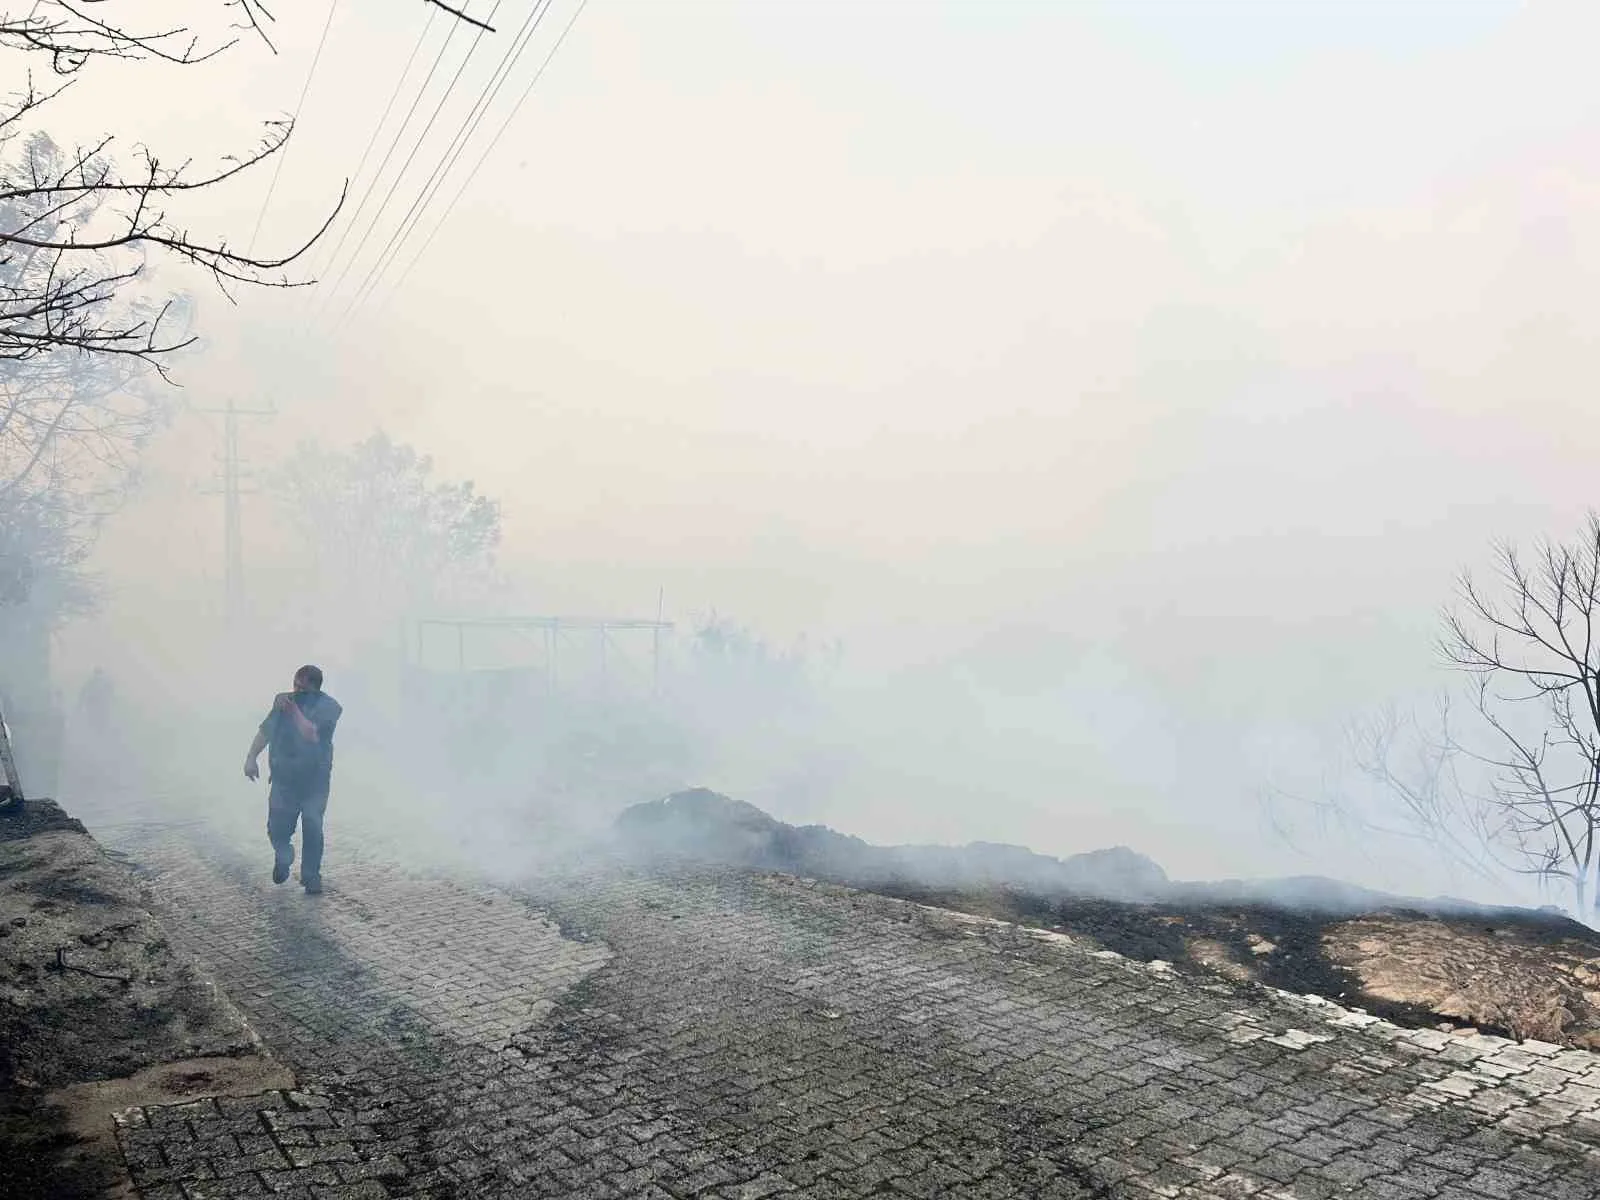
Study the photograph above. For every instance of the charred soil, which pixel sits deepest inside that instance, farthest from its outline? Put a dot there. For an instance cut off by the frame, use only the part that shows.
(1514, 972)
(92, 999)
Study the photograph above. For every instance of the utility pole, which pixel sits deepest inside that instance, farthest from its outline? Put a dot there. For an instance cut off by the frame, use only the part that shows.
(232, 528)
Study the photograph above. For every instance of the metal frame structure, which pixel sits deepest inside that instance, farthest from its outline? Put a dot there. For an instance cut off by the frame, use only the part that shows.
(553, 630)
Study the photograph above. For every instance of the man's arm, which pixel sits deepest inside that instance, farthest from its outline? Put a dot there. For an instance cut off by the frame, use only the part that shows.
(251, 769)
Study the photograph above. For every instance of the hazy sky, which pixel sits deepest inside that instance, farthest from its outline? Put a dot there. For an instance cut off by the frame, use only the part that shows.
(1135, 375)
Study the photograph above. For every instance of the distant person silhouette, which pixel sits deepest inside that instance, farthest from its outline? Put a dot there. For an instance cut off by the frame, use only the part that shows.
(298, 733)
(96, 700)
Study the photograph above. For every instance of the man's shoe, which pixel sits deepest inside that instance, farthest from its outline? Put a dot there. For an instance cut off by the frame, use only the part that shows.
(313, 885)
(280, 872)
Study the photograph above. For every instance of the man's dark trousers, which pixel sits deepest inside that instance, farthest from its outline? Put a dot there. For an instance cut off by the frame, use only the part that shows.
(305, 801)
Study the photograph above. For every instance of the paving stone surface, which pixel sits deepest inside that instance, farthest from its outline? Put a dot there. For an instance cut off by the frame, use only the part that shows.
(607, 1032)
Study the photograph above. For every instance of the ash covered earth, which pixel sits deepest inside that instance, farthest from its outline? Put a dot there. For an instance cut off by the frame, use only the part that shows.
(1518, 972)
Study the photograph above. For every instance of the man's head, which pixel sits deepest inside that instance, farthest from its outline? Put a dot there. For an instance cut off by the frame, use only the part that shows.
(308, 679)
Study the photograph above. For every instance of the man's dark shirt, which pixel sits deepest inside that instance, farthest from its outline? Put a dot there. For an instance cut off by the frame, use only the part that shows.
(292, 760)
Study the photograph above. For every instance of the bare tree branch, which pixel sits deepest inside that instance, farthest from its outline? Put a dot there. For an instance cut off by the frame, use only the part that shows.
(83, 334)
(81, 330)
(1529, 653)
(461, 15)
(1517, 792)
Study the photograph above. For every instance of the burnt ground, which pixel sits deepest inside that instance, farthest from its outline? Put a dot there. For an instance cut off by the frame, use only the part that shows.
(1513, 975)
(96, 1009)
(34, 817)
(589, 1028)
(1513, 972)
(596, 1029)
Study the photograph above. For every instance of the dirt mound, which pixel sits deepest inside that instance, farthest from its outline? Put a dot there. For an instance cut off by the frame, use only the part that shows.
(701, 824)
(704, 825)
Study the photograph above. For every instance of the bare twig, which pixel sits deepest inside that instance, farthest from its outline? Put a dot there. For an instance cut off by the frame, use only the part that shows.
(461, 15)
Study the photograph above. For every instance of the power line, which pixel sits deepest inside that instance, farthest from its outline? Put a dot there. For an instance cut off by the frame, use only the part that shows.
(438, 108)
(394, 144)
(489, 149)
(387, 109)
(458, 144)
(283, 153)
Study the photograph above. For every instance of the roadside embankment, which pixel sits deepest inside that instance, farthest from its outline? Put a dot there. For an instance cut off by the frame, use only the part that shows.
(97, 1012)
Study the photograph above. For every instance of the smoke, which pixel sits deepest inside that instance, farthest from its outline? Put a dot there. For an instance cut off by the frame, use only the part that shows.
(1123, 415)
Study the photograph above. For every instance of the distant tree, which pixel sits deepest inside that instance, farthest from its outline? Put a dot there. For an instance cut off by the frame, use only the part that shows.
(42, 550)
(736, 676)
(72, 426)
(1427, 792)
(734, 653)
(379, 525)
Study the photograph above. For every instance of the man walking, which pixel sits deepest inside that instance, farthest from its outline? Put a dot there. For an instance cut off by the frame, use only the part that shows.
(299, 732)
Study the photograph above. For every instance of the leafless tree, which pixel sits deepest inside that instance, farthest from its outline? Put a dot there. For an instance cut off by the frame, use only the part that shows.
(1514, 789)
(1532, 650)
(1415, 771)
(71, 427)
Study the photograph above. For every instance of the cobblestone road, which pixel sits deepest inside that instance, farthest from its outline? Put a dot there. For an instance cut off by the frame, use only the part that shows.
(611, 1033)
